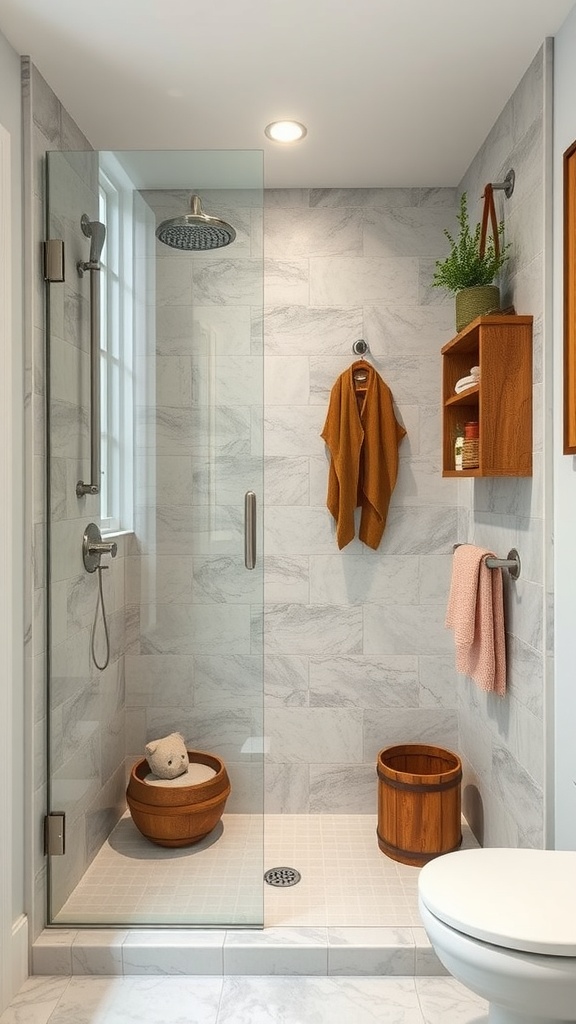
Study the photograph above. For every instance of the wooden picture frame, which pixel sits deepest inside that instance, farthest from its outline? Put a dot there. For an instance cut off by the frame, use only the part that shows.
(570, 300)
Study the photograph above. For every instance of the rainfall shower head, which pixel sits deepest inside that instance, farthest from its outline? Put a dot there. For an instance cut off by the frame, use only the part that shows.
(195, 231)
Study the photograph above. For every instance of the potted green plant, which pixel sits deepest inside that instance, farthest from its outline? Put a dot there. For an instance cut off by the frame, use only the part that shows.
(469, 269)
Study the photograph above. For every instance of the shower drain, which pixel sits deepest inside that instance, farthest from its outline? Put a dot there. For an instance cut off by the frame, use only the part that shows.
(282, 876)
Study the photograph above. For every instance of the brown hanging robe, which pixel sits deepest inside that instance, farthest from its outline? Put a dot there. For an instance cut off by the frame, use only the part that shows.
(362, 435)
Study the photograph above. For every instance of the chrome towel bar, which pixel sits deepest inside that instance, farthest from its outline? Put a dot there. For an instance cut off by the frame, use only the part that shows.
(511, 562)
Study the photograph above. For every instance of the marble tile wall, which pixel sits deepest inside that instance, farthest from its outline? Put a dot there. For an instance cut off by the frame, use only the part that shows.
(195, 663)
(502, 742)
(356, 654)
(86, 707)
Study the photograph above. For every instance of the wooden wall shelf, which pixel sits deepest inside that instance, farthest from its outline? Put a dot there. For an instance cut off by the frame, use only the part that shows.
(501, 403)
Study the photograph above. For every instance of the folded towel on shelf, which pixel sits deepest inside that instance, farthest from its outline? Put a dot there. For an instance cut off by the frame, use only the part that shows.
(476, 614)
(468, 382)
(464, 383)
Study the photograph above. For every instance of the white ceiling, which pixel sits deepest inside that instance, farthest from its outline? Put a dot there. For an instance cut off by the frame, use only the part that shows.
(394, 92)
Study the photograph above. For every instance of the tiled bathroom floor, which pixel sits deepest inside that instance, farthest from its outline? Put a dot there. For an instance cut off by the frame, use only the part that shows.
(234, 1000)
(346, 880)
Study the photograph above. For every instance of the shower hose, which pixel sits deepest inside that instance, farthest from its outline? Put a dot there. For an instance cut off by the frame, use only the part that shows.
(100, 604)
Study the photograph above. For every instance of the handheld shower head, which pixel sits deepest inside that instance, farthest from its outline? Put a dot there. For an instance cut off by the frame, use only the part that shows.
(195, 231)
(96, 232)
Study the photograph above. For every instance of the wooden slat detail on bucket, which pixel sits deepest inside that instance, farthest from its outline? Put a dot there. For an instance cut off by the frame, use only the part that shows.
(418, 802)
(178, 815)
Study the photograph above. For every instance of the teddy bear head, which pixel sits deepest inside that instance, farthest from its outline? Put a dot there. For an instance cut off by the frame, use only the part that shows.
(168, 756)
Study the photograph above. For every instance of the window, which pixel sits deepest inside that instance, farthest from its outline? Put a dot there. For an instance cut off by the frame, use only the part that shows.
(116, 351)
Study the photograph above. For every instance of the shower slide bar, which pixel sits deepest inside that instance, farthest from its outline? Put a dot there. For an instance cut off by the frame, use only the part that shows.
(511, 562)
(97, 234)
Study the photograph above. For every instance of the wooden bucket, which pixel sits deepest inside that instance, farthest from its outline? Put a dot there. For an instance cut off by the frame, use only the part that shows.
(178, 815)
(418, 802)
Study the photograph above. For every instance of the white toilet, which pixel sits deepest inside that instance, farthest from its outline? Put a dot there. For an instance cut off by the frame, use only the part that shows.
(503, 922)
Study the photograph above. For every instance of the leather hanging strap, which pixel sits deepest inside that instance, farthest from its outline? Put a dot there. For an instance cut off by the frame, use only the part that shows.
(489, 211)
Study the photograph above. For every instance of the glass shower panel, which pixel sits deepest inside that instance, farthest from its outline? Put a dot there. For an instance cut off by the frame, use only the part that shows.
(181, 380)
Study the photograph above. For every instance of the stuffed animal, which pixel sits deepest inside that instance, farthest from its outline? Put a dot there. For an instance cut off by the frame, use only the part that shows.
(168, 756)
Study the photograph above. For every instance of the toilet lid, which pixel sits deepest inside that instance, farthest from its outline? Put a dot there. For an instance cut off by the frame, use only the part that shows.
(518, 899)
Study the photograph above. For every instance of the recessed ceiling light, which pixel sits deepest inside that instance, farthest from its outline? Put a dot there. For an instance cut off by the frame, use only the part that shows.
(285, 131)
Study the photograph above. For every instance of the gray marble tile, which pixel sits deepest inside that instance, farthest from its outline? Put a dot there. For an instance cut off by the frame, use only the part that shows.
(291, 1000)
(525, 675)
(334, 735)
(238, 380)
(406, 629)
(296, 330)
(443, 999)
(427, 963)
(148, 675)
(370, 951)
(172, 377)
(222, 579)
(285, 282)
(343, 789)
(408, 330)
(293, 430)
(287, 380)
(228, 681)
(312, 629)
(286, 580)
(438, 681)
(192, 952)
(280, 951)
(224, 735)
(35, 1000)
(313, 232)
(195, 629)
(228, 282)
(352, 581)
(363, 198)
(407, 231)
(437, 197)
(185, 431)
(302, 531)
(364, 682)
(98, 952)
(286, 197)
(408, 725)
(287, 789)
(285, 680)
(370, 279)
(435, 576)
(519, 792)
(178, 1000)
(183, 330)
(51, 954)
(45, 105)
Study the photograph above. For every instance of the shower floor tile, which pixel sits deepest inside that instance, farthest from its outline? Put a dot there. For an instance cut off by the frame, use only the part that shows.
(346, 880)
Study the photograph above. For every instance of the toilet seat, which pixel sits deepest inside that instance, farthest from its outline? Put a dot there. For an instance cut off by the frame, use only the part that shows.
(517, 899)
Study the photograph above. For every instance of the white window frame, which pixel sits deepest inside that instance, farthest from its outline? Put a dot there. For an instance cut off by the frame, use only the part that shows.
(117, 348)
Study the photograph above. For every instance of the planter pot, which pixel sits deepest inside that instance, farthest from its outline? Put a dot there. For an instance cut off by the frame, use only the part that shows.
(418, 802)
(178, 815)
(473, 302)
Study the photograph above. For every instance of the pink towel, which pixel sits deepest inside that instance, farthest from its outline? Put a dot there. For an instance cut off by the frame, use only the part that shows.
(476, 614)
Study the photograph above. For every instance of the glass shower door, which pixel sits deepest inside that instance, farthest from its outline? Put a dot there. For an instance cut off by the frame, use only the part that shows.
(180, 646)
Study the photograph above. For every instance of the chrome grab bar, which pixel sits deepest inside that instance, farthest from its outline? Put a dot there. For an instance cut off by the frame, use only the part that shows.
(250, 530)
(95, 231)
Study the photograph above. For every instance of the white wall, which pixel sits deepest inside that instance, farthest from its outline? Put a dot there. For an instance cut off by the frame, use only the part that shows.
(564, 467)
(12, 922)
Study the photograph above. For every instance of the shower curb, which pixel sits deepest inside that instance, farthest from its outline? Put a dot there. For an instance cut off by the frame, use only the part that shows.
(272, 951)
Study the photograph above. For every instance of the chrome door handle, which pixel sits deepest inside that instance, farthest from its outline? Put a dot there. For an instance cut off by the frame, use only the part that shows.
(250, 530)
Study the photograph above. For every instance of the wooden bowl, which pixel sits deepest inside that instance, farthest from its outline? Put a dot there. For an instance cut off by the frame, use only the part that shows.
(178, 815)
